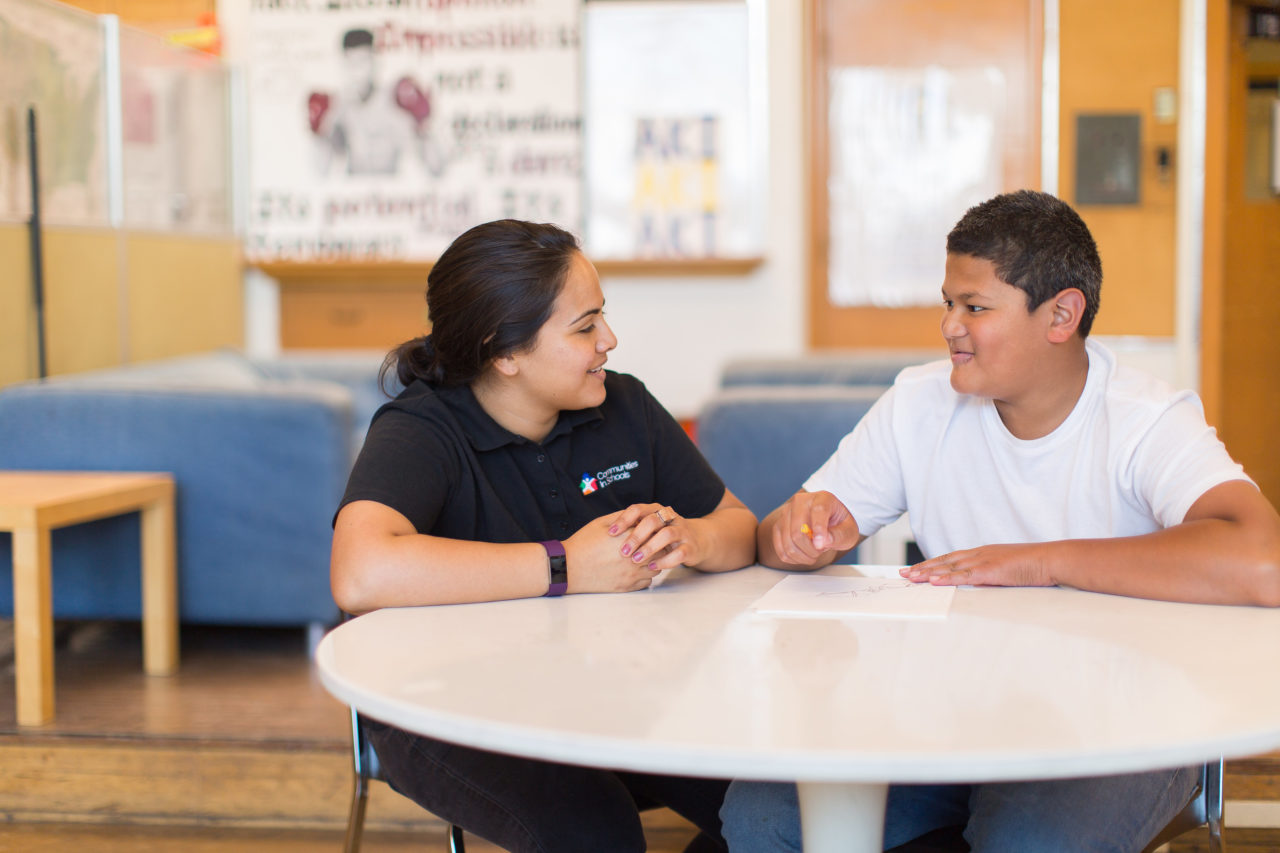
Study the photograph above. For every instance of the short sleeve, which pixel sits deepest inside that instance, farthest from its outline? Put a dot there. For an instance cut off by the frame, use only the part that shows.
(864, 472)
(1178, 459)
(407, 464)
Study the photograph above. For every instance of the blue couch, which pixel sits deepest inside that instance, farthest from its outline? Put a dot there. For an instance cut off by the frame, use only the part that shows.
(260, 452)
(864, 367)
(765, 441)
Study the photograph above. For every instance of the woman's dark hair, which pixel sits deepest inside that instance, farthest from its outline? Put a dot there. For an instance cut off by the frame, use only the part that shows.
(487, 296)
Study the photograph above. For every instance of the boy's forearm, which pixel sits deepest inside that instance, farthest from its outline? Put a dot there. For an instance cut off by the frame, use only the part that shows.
(1211, 561)
(1226, 551)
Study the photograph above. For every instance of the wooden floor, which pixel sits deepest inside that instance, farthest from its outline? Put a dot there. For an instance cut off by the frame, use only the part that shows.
(241, 750)
(244, 750)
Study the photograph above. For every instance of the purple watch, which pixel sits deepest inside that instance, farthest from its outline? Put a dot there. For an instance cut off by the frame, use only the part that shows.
(559, 569)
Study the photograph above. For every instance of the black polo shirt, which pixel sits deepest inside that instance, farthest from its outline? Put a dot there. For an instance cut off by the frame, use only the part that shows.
(436, 457)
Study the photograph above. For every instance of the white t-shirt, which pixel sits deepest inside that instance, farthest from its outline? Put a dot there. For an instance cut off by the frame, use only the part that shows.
(1131, 458)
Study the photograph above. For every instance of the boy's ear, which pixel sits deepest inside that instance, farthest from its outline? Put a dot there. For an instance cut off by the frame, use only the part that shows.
(1068, 308)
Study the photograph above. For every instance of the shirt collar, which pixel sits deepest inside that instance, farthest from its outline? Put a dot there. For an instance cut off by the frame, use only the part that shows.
(485, 433)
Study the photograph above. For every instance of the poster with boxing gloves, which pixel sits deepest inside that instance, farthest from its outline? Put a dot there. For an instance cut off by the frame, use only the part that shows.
(381, 129)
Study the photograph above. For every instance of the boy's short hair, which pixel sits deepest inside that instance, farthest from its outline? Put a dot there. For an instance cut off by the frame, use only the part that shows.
(1038, 245)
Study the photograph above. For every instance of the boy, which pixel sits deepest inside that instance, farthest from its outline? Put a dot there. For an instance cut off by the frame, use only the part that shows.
(1032, 459)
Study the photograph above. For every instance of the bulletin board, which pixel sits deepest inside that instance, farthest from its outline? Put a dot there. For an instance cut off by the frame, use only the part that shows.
(379, 131)
(675, 144)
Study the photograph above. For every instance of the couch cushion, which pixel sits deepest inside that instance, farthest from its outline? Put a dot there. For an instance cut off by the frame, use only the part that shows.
(766, 441)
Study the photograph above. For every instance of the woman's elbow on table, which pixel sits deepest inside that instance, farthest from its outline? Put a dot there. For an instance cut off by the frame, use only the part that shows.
(349, 587)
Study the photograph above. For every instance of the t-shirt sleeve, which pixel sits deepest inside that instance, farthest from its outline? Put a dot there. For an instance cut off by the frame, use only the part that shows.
(684, 480)
(864, 472)
(1178, 459)
(407, 464)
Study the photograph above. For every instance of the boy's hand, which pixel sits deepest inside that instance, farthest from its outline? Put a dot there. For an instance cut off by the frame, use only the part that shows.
(990, 565)
(811, 526)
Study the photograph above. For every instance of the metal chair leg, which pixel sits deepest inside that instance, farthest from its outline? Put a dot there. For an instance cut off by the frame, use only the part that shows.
(1213, 805)
(355, 820)
(456, 844)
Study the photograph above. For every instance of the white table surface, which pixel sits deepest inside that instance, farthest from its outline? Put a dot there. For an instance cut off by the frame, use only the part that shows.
(684, 678)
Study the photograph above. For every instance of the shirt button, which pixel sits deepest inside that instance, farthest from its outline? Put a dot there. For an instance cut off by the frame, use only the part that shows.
(542, 457)
(555, 493)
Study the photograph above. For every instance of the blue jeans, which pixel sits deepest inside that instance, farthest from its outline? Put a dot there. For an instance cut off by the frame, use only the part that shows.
(528, 806)
(1094, 815)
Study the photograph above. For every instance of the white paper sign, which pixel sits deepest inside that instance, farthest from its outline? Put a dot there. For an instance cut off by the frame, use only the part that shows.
(825, 596)
(911, 150)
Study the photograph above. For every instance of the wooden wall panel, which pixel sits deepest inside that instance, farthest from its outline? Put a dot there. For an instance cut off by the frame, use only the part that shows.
(323, 315)
(17, 317)
(1213, 261)
(82, 299)
(184, 294)
(144, 12)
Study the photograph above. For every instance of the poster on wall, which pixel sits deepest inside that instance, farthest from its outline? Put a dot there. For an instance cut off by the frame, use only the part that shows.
(174, 118)
(673, 147)
(381, 130)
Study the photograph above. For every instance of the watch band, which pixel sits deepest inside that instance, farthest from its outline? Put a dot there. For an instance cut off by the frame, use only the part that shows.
(559, 568)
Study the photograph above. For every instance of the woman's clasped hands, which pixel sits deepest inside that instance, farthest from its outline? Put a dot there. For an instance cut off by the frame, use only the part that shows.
(625, 551)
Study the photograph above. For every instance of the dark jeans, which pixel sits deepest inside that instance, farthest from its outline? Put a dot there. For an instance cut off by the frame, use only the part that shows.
(529, 806)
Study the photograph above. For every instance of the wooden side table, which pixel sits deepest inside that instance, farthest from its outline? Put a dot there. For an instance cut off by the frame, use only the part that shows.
(32, 504)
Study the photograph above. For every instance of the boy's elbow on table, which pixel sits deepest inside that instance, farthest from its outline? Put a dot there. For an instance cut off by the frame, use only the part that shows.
(1264, 571)
(1267, 578)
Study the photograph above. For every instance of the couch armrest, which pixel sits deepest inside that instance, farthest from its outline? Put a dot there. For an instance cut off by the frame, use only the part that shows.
(259, 472)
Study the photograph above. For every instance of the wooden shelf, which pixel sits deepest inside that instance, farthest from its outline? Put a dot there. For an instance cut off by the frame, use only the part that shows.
(287, 272)
(378, 305)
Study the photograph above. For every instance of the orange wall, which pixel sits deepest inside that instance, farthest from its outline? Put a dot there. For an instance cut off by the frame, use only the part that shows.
(1114, 56)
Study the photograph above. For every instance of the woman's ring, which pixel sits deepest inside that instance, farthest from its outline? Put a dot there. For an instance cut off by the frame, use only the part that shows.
(665, 521)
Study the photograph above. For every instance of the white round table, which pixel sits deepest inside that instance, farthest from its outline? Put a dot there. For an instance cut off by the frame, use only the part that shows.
(685, 678)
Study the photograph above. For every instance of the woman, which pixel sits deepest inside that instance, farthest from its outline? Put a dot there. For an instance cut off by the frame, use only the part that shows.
(514, 465)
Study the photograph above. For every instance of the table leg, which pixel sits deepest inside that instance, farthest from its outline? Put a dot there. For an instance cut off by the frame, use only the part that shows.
(33, 625)
(159, 590)
(846, 817)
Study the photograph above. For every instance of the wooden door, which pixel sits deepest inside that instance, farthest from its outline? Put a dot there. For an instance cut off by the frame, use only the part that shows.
(1241, 386)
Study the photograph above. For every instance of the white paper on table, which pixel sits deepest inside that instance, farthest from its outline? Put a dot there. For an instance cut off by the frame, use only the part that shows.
(827, 596)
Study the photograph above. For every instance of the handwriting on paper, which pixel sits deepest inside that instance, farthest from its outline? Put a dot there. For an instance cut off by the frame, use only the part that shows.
(838, 596)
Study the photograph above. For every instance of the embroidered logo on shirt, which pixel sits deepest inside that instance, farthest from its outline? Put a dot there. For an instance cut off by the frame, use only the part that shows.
(608, 476)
